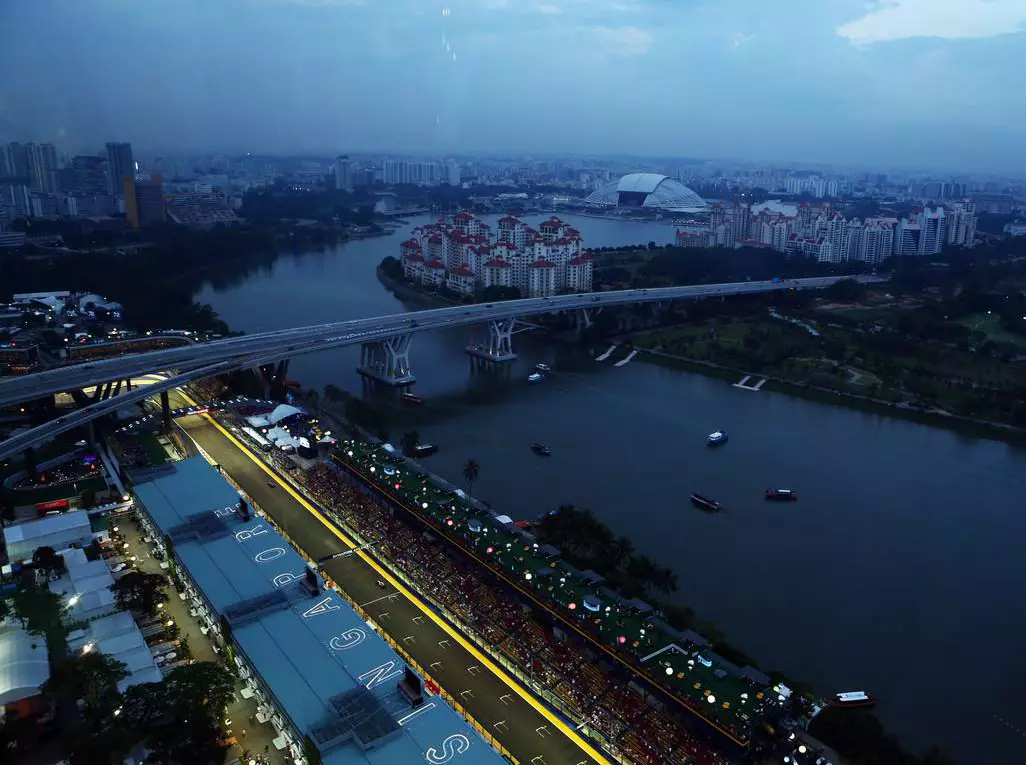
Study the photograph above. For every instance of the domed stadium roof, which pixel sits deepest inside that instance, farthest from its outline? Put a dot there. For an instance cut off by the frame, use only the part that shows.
(649, 190)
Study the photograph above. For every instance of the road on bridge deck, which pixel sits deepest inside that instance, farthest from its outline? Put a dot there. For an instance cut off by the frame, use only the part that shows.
(533, 737)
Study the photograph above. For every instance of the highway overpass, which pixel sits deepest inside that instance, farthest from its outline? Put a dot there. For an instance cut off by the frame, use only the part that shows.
(221, 356)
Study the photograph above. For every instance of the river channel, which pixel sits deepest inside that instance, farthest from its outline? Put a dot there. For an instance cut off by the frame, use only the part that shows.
(900, 571)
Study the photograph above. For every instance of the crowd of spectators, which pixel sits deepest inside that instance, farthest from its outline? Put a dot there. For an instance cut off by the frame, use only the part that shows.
(602, 697)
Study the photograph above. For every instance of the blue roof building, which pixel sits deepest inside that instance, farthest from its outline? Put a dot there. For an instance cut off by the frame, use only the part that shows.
(319, 671)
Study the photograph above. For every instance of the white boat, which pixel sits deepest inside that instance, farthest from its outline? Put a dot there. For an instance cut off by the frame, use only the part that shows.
(716, 438)
(543, 368)
(535, 378)
(853, 699)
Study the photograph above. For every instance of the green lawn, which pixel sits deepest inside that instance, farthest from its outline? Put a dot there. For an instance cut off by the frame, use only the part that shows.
(990, 325)
(153, 449)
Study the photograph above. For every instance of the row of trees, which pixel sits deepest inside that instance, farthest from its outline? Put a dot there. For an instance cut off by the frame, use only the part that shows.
(178, 719)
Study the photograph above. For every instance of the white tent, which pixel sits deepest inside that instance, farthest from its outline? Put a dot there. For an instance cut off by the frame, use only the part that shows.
(24, 665)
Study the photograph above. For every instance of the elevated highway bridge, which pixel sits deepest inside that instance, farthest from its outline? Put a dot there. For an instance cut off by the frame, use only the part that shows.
(385, 342)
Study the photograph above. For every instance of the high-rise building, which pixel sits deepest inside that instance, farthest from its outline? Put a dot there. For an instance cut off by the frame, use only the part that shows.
(17, 160)
(120, 163)
(87, 175)
(961, 224)
(42, 167)
(931, 227)
(343, 174)
(144, 201)
(453, 174)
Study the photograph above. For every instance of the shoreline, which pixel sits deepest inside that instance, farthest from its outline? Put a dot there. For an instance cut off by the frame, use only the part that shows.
(935, 418)
(996, 430)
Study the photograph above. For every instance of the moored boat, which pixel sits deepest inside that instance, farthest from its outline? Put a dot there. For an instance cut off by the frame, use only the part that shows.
(535, 378)
(781, 495)
(424, 450)
(541, 450)
(717, 438)
(543, 368)
(703, 502)
(412, 399)
(852, 699)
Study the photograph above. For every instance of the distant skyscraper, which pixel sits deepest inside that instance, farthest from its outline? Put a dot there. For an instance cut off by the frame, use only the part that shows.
(87, 175)
(453, 174)
(144, 201)
(17, 160)
(343, 174)
(120, 163)
(931, 227)
(42, 167)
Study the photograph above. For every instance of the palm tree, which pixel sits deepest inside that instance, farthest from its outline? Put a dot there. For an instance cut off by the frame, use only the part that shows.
(622, 550)
(471, 470)
(409, 441)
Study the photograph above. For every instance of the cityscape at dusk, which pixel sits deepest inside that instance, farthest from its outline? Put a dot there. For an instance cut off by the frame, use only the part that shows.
(541, 382)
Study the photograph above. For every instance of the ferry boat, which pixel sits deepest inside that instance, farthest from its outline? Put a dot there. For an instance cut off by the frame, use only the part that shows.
(781, 495)
(853, 699)
(541, 450)
(543, 368)
(534, 378)
(412, 399)
(703, 502)
(717, 438)
(424, 450)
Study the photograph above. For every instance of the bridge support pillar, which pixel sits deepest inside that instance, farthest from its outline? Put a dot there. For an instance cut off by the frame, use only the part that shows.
(388, 361)
(583, 318)
(165, 412)
(500, 342)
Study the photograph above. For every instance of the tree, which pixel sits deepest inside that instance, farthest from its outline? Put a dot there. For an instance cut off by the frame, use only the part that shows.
(92, 676)
(141, 592)
(471, 470)
(622, 550)
(195, 740)
(203, 688)
(312, 397)
(333, 393)
(410, 440)
(47, 558)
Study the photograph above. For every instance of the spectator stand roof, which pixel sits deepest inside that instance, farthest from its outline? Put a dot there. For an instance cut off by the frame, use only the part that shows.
(45, 527)
(327, 668)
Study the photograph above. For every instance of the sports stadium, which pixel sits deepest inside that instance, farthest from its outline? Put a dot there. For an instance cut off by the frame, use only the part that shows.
(647, 191)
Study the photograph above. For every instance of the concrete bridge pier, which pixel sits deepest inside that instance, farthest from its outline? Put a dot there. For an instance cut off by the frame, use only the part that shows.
(500, 342)
(388, 361)
(584, 318)
(165, 412)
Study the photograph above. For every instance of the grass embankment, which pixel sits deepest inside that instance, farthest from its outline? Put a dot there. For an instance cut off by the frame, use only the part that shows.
(856, 361)
(67, 490)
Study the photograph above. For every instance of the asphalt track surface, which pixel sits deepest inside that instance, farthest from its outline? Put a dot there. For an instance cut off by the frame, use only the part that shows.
(529, 731)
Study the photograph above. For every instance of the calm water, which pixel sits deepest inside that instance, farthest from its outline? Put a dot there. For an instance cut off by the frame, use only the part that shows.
(900, 571)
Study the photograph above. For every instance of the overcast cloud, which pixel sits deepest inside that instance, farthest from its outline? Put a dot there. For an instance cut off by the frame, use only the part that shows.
(935, 83)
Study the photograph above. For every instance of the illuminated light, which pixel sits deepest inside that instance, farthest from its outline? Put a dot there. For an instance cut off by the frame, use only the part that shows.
(621, 640)
(669, 670)
(711, 699)
(73, 600)
(424, 505)
(448, 521)
(373, 469)
(528, 576)
(397, 486)
(170, 622)
(572, 606)
(802, 749)
(87, 647)
(490, 550)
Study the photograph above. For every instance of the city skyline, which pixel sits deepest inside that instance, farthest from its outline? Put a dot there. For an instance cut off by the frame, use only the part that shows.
(895, 83)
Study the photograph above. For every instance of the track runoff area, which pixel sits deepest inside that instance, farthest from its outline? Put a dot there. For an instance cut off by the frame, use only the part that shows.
(529, 730)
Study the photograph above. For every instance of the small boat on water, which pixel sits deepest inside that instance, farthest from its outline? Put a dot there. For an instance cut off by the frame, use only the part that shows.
(424, 450)
(412, 399)
(781, 495)
(541, 450)
(703, 502)
(535, 378)
(716, 438)
(543, 368)
(852, 699)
